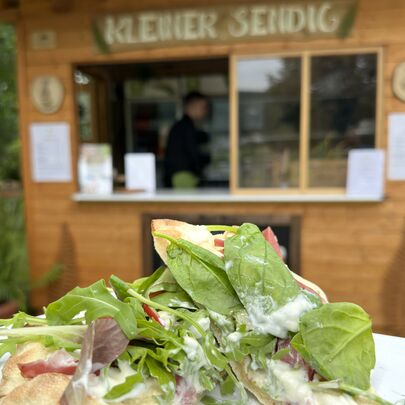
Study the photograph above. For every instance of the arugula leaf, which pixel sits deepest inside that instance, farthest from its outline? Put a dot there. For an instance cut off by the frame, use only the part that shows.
(337, 341)
(166, 379)
(149, 281)
(166, 282)
(258, 275)
(67, 336)
(121, 389)
(200, 273)
(21, 319)
(98, 302)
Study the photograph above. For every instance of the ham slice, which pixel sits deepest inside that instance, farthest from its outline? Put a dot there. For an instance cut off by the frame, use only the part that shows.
(58, 362)
(272, 239)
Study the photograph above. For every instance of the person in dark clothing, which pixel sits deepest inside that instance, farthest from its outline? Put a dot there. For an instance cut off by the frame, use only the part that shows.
(184, 144)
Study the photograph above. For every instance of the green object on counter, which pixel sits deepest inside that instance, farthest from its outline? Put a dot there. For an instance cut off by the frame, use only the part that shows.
(184, 180)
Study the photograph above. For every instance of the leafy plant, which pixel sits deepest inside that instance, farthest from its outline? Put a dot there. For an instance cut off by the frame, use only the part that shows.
(15, 283)
(13, 255)
(8, 104)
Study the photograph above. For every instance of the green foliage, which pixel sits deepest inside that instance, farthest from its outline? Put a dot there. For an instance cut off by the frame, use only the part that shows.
(9, 167)
(13, 253)
(10, 160)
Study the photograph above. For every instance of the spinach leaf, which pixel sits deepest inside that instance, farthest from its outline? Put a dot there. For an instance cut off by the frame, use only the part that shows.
(200, 273)
(369, 396)
(259, 277)
(178, 299)
(98, 302)
(337, 341)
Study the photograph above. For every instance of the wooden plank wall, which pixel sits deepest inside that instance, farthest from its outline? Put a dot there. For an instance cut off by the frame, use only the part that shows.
(354, 251)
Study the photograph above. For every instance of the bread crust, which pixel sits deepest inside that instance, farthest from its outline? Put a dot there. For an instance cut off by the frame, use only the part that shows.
(43, 389)
(25, 353)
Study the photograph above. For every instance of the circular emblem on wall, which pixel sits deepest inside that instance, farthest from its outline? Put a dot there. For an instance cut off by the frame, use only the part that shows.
(47, 94)
(398, 82)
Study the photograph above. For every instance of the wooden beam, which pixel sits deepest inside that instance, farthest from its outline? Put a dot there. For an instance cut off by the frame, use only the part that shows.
(61, 6)
(9, 15)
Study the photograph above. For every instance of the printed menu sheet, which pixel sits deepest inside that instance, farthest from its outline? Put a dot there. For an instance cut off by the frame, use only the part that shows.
(50, 152)
(396, 146)
(365, 173)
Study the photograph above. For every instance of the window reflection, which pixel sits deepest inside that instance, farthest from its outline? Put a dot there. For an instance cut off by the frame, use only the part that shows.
(269, 116)
(343, 109)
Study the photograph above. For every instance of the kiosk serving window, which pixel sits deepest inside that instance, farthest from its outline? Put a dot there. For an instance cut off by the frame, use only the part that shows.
(276, 123)
(297, 116)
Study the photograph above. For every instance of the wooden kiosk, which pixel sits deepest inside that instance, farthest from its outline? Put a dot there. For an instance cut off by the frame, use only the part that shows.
(352, 246)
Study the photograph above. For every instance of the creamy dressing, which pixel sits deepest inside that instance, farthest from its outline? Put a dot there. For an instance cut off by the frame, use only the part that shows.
(194, 352)
(3, 360)
(98, 386)
(282, 320)
(168, 319)
(204, 322)
(287, 384)
(221, 320)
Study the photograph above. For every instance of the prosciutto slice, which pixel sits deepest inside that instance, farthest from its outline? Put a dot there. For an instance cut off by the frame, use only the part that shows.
(58, 362)
(271, 238)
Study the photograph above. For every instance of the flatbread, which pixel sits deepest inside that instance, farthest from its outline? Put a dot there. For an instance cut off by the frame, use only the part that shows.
(25, 353)
(43, 389)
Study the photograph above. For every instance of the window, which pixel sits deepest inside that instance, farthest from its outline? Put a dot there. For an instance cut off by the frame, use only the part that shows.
(296, 118)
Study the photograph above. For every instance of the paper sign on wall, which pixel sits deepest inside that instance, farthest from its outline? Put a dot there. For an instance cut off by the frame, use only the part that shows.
(396, 146)
(50, 152)
(95, 169)
(365, 173)
(140, 172)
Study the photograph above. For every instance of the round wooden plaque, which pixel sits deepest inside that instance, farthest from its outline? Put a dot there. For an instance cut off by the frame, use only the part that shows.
(47, 94)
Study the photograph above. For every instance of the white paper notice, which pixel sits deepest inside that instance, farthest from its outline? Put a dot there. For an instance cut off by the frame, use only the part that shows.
(140, 172)
(50, 152)
(365, 173)
(95, 168)
(396, 146)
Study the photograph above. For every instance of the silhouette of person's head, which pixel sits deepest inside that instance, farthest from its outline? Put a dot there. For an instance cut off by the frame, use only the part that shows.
(195, 105)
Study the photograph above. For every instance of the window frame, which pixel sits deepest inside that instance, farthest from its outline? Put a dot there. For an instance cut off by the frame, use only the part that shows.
(304, 129)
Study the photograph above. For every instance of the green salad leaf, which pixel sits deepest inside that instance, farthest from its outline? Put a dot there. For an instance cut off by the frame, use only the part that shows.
(68, 337)
(337, 341)
(165, 378)
(201, 274)
(97, 302)
(258, 275)
(124, 388)
(354, 391)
